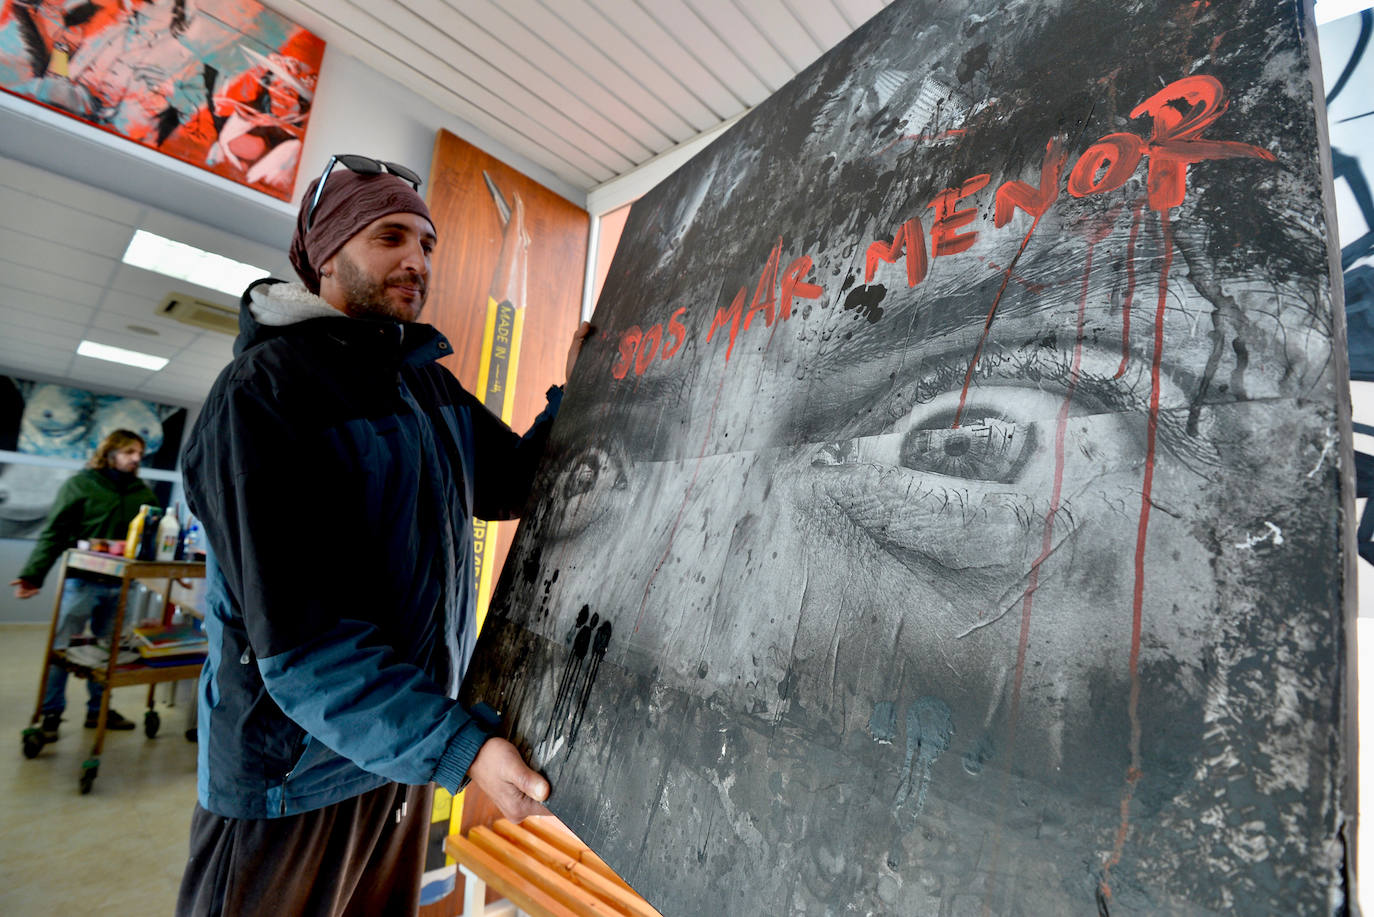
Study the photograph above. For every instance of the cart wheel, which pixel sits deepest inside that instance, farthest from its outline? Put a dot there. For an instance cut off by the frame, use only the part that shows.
(89, 771)
(151, 722)
(33, 743)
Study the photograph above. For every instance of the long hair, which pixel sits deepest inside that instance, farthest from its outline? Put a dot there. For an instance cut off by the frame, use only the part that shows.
(119, 439)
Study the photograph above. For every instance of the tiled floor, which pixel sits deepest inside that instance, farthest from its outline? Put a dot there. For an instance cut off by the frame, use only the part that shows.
(119, 850)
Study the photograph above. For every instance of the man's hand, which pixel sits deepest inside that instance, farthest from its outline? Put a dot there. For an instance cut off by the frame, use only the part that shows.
(502, 774)
(23, 589)
(583, 332)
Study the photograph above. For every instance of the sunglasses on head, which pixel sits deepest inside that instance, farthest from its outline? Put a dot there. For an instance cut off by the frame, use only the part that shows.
(363, 165)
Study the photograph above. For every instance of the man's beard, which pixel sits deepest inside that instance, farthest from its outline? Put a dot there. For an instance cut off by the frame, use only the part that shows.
(367, 298)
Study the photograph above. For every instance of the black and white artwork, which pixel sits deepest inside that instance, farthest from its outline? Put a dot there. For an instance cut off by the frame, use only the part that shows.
(950, 515)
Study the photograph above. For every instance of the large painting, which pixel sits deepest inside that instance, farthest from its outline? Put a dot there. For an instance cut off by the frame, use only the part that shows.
(225, 85)
(48, 431)
(951, 515)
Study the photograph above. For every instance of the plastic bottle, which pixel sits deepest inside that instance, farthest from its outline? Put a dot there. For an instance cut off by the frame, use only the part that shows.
(192, 545)
(147, 546)
(168, 535)
(135, 534)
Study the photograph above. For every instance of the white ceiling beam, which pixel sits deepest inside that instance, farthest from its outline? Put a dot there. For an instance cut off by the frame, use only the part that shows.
(509, 66)
(676, 57)
(608, 35)
(744, 38)
(697, 35)
(428, 69)
(821, 19)
(548, 58)
(529, 109)
(857, 12)
(544, 22)
(54, 257)
(784, 32)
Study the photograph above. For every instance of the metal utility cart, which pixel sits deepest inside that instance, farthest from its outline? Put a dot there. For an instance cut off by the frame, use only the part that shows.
(112, 675)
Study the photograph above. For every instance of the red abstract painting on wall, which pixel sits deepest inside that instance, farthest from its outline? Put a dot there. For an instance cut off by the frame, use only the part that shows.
(225, 85)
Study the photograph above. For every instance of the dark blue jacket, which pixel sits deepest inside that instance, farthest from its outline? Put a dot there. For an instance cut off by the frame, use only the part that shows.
(337, 469)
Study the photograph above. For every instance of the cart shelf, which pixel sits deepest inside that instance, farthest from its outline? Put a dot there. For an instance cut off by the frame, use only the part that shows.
(113, 674)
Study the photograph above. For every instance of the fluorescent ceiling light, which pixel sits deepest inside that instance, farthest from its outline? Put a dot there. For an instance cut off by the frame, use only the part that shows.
(186, 262)
(1331, 10)
(120, 355)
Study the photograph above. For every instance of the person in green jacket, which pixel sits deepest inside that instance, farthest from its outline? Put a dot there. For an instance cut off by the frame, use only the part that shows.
(97, 502)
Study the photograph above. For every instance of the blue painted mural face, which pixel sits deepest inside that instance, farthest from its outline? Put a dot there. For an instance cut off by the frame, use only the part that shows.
(56, 421)
(959, 448)
(60, 422)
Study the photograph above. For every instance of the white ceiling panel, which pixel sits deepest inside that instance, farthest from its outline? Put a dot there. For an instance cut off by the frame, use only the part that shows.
(637, 25)
(409, 61)
(31, 280)
(30, 359)
(165, 393)
(152, 287)
(12, 320)
(785, 31)
(822, 21)
(744, 38)
(171, 335)
(102, 374)
(642, 137)
(56, 222)
(56, 189)
(54, 257)
(131, 308)
(603, 33)
(15, 300)
(857, 12)
(211, 346)
(526, 90)
(609, 72)
(703, 37)
(61, 338)
(193, 381)
(52, 295)
(556, 86)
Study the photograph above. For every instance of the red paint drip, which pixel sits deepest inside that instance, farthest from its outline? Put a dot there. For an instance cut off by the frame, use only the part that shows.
(1047, 541)
(1130, 291)
(672, 531)
(987, 325)
(1134, 772)
(1030, 285)
(1046, 546)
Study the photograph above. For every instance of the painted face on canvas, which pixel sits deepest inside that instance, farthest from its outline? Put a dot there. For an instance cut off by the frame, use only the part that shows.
(925, 490)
